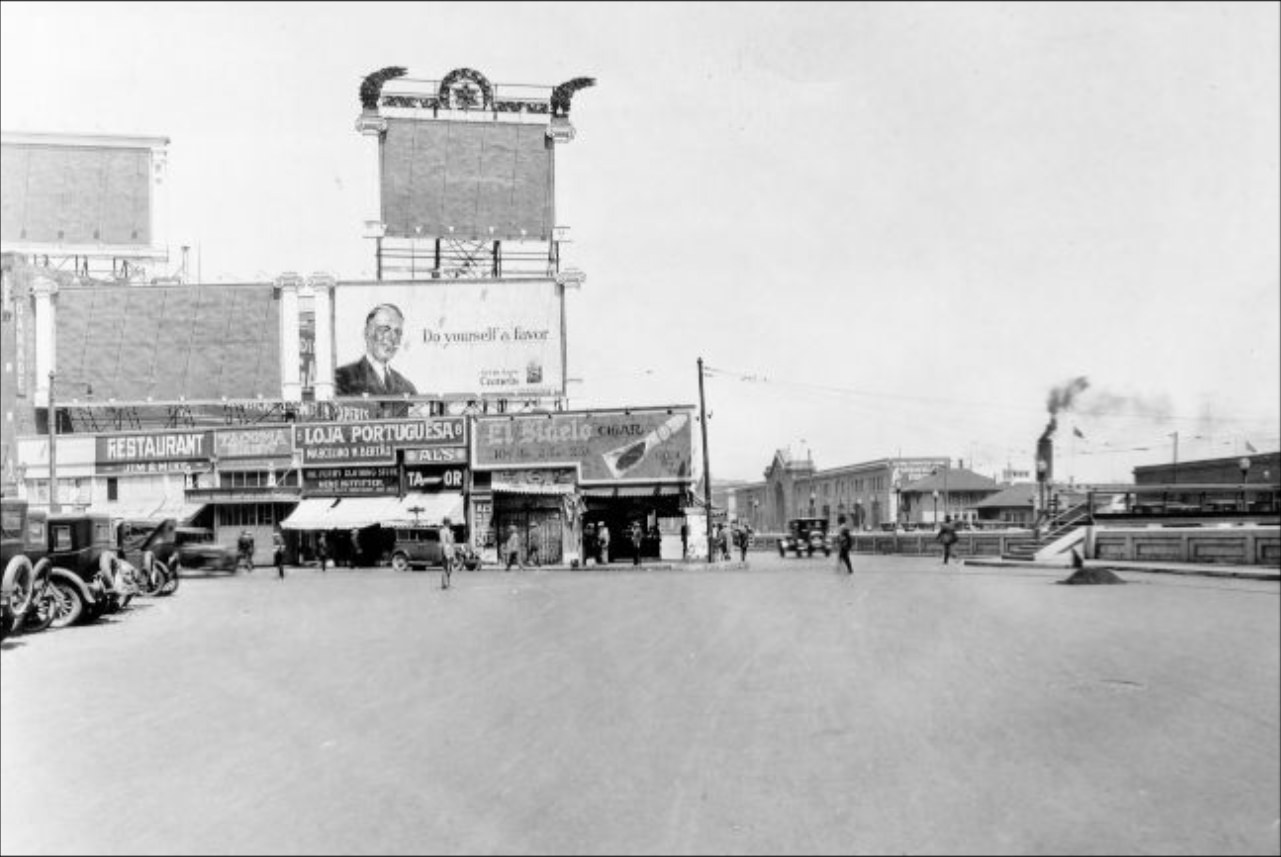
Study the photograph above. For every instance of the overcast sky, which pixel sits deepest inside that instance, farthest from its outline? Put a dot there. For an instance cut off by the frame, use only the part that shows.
(887, 228)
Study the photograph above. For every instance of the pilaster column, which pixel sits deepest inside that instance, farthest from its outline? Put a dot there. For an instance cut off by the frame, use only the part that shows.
(160, 208)
(323, 285)
(290, 344)
(44, 288)
(373, 127)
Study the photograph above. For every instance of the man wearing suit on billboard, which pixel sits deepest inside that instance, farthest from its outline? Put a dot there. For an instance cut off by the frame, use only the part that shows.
(372, 373)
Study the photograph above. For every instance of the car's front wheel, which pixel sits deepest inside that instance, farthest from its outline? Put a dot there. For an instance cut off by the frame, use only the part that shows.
(400, 562)
(66, 604)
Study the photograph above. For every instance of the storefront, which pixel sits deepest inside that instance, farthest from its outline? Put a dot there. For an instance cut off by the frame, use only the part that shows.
(363, 479)
(556, 477)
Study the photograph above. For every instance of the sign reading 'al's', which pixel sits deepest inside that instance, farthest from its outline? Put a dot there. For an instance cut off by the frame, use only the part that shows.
(374, 441)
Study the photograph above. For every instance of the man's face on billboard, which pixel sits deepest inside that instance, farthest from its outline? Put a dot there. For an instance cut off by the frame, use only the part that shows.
(382, 334)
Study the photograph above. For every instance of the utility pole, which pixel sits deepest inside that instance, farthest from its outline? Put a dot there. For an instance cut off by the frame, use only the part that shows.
(707, 467)
(53, 450)
(1174, 475)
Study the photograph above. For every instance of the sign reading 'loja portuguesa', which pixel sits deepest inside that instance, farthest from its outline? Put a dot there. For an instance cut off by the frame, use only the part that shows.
(374, 441)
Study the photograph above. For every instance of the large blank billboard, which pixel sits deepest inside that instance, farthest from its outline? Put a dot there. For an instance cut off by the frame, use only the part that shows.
(168, 343)
(484, 338)
(75, 195)
(472, 176)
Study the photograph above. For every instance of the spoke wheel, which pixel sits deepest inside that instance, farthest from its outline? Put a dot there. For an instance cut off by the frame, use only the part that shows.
(400, 562)
(67, 605)
(171, 579)
(19, 580)
(41, 612)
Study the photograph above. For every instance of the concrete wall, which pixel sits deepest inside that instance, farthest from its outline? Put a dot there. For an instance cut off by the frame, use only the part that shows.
(1248, 545)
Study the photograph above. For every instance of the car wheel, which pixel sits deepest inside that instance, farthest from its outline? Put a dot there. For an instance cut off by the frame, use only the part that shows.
(68, 605)
(400, 562)
(19, 582)
(171, 579)
(40, 614)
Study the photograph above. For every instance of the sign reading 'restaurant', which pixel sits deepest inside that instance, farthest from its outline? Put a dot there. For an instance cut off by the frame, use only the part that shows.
(374, 442)
(168, 446)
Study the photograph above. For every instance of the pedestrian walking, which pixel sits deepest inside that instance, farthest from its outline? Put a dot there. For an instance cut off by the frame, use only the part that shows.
(322, 552)
(602, 544)
(684, 540)
(744, 541)
(278, 552)
(446, 552)
(844, 542)
(512, 548)
(245, 551)
(635, 536)
(947, 535)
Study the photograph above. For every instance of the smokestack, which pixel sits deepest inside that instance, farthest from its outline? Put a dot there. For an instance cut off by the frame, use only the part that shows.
(1045, 453)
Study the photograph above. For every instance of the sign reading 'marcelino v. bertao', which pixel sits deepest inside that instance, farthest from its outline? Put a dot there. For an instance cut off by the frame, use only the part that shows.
(491, 338)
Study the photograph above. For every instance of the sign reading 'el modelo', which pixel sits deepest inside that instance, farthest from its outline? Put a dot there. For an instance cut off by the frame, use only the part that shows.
(613, 446)
(374, 442)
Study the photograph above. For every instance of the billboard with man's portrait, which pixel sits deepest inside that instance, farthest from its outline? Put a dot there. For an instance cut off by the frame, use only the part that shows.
(483, 338)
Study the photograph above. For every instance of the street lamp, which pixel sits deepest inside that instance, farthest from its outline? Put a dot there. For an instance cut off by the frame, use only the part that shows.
(936, 506)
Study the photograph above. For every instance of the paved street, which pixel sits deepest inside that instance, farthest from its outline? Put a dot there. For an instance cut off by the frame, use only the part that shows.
(910, 708)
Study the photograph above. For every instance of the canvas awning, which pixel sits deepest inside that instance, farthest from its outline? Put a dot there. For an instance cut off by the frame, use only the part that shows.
(530, 488)
(656, 489)
(180, 510)
(425, 509)
(347, 513)
(310, 514)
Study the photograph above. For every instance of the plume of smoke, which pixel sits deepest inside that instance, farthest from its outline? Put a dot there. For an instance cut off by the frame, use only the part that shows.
(1156, 408)
(1061, 398)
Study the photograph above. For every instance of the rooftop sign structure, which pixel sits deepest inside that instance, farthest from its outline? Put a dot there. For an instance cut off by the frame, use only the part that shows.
(466, 173)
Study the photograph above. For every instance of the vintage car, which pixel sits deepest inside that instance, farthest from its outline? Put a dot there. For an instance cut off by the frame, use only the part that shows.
(805, 536)
(18, 558)
(420, 547)
(84, 583)
(196, 547)
(137, 537)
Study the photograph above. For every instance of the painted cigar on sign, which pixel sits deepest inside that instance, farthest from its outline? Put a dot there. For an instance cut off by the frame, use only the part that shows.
(622, 460)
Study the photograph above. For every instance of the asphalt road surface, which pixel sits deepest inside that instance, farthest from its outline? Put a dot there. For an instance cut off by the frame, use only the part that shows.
(908, 709)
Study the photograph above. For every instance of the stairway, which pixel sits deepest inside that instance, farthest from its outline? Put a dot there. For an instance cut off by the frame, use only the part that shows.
(1054, 529)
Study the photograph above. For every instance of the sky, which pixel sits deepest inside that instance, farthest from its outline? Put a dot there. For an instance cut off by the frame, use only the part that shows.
(886, 228)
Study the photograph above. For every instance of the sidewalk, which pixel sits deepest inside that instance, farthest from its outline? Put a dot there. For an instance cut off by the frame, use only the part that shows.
(1248, 572)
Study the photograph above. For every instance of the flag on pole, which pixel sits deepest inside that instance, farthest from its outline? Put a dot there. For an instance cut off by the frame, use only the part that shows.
(1076, 431)
(1249, 447)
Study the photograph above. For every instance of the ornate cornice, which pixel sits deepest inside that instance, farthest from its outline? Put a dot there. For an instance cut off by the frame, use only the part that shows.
(463, 89)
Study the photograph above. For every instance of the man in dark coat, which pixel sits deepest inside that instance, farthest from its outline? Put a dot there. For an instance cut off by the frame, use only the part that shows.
(372, 374)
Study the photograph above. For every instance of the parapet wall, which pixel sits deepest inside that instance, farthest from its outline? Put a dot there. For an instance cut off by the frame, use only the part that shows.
(1244, 545)
(1249, 545)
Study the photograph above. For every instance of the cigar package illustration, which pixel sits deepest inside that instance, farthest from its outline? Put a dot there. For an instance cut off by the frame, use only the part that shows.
(623, 459)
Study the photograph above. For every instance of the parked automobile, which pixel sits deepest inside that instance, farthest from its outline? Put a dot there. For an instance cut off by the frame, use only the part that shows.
(196, 547)
(17, 561)
(805, 536)
(82, 552)
(148, 545)
(420, 547)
